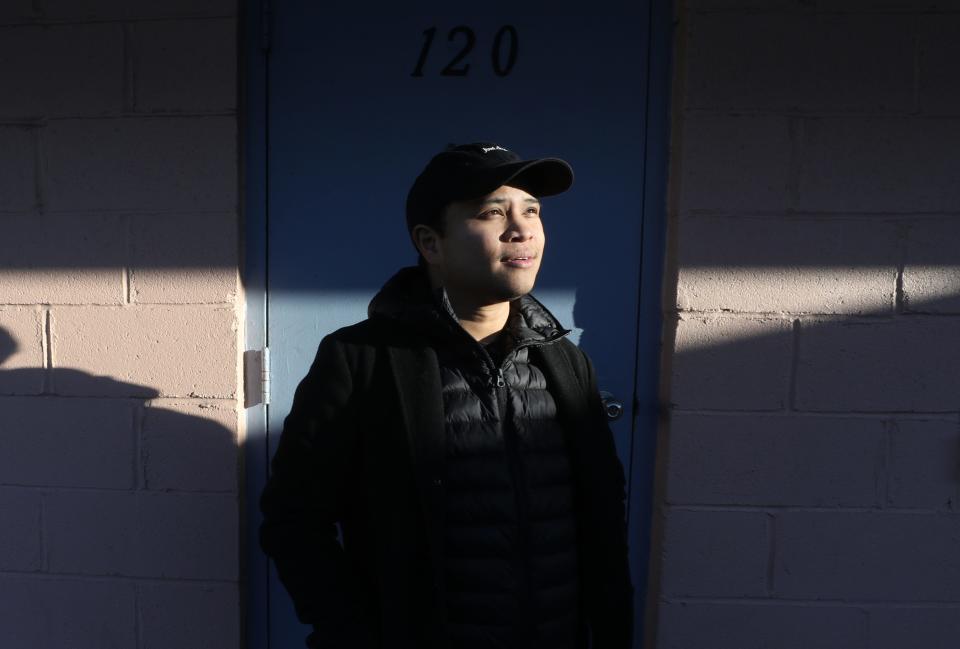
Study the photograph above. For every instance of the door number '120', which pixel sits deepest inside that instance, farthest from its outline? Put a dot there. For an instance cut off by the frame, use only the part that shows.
(503, 54)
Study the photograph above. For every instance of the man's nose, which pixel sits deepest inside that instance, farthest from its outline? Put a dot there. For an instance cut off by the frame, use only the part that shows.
(518, 229)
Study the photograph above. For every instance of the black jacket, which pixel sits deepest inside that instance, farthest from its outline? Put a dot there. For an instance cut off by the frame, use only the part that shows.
(363, 446)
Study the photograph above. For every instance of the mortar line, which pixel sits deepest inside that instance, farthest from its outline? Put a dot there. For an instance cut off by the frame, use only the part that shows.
(815, 603)
(47, 347)
(118, 490)
(157, 401)
(890, 426)
(940, 415)
(794, 367)
(806, 509)
(145, 115)
(867, 619)
(917, 109)
(139, 472)
(39, 170)
(899, 300)
(771, 527)
(791, 315)
(125, 284)
(44, 554)
(795, 132)
(955, 503)
(137, 624)
(80, 576)
(129, 61)
(812, 214)
(889, 114)
(68, 22)
(127, 258)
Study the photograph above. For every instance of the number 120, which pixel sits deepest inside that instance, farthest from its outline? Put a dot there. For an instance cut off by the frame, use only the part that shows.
(500, 67)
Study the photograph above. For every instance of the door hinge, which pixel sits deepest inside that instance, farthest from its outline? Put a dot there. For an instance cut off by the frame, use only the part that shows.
(256, 377)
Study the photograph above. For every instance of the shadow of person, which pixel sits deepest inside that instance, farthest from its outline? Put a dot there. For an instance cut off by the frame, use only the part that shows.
(116, 481)
(65, 427)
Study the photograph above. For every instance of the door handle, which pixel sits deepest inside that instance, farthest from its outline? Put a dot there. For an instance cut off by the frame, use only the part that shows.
(612, 406)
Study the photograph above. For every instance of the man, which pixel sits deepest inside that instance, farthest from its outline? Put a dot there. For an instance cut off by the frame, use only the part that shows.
(458, 439)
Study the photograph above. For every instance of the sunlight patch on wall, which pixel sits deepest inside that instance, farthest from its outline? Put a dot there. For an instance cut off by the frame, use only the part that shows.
(800, 289)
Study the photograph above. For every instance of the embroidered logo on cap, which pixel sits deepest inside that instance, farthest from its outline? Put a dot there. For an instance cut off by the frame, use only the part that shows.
(488, 149)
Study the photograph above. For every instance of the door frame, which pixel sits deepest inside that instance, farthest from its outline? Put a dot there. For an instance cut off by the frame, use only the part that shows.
(254, 139)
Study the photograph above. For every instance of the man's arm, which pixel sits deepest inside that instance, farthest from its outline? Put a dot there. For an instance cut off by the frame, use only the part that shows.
(307, 493)
(608, 572)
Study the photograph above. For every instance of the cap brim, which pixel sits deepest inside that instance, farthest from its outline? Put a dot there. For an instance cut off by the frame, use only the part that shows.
(543, 177)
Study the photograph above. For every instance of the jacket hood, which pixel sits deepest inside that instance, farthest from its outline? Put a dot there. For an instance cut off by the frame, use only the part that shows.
(408, 299)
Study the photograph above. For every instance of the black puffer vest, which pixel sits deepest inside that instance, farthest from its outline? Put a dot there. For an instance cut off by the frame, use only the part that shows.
(510, 543)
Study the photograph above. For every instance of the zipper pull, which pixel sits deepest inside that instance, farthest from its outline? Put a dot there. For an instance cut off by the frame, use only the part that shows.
(500, 381)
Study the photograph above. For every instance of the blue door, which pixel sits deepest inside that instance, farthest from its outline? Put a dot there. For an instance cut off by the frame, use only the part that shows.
(357, 101)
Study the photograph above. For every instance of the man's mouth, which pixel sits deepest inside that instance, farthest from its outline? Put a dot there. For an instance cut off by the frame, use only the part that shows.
(519, 261)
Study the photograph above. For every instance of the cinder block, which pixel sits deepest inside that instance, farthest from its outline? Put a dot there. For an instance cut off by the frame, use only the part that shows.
(734, 164)
(862, 6)
(911, 6)
(181, 351)
(57, 70)
(75, 613)
(888, 165)
(17, 11)
(715, 554)
(190, 616)
(186, 65)
(924, 464)
(760, 626)
(731, 363)
(191, 536)
(899, 365)
(939, 48)
(772, 5)
(168, 267)
(786, 265)
(836, 62)
(931, 272)
(129, 164)
(930, 628)
(775, 460)
(132, 9)
(190, 445)
(62, 259)
(18, 181)
(92, 532)
(878, 556)
(20, 522)
(21, 349)
(50, 441)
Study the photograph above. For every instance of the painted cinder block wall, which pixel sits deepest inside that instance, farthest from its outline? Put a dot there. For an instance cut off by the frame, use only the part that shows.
(120, 315)
(809, 462)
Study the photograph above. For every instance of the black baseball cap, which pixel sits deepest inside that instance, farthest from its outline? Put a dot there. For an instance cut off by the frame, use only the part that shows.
(465, 171)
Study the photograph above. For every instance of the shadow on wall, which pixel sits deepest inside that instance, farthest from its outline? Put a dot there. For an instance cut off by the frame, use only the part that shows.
(93, 442)
(812, 446)
(103, 486)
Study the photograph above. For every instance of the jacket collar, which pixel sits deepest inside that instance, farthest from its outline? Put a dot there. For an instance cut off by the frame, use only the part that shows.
(408, 299)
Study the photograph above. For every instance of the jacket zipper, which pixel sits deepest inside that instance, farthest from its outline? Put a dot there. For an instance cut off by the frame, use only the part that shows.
(526, 629)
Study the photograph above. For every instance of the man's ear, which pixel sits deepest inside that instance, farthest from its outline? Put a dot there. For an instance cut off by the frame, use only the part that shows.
(427, 241)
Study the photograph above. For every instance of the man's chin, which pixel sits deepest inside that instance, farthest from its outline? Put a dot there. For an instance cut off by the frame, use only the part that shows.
(513, 291)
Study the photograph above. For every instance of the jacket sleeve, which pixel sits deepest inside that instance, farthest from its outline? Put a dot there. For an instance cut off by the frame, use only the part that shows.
(607, 571)
(307, 494)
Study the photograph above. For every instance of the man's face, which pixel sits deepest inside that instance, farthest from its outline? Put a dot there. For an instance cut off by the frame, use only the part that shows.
(491, 248)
